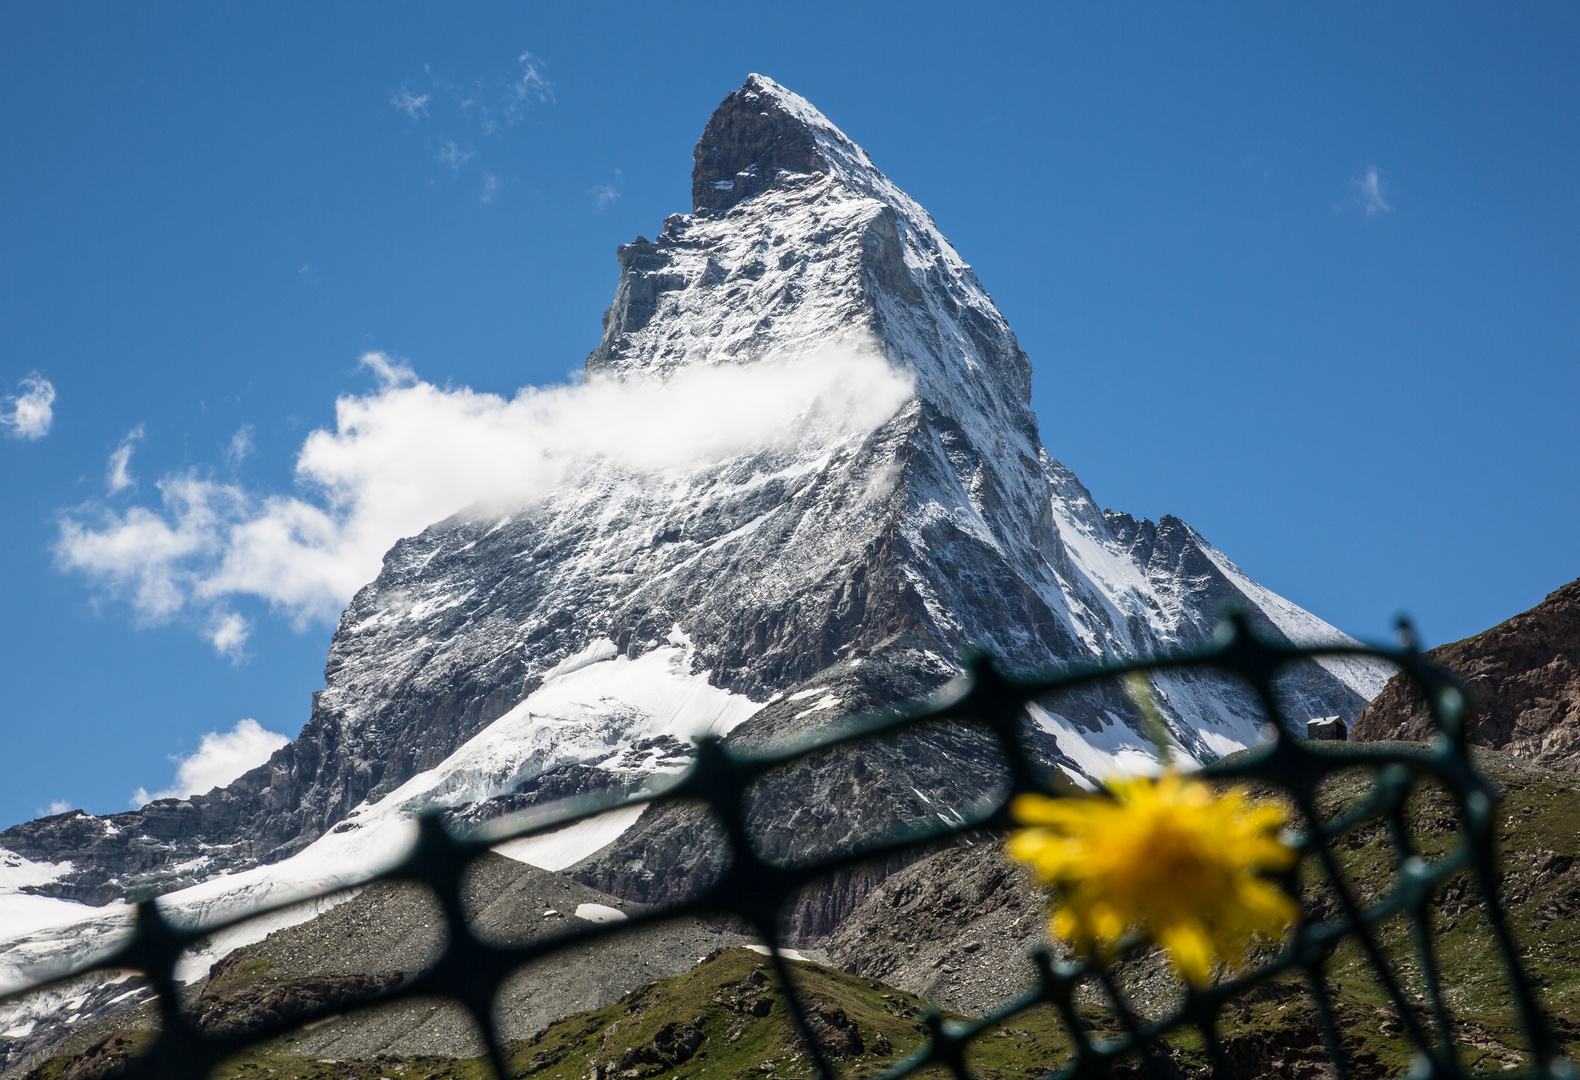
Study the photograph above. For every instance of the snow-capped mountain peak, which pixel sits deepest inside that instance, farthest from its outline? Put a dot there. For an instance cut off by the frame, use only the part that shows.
(579, 632)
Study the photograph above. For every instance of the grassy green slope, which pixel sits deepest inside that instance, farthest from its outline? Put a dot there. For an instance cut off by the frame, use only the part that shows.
(1271, 1032)
(726, 1019)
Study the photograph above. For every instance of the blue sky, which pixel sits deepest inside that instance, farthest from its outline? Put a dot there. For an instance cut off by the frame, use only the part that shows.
(1305, 276)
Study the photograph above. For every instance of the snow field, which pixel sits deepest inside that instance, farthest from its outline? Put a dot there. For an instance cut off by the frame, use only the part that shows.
(589, 711)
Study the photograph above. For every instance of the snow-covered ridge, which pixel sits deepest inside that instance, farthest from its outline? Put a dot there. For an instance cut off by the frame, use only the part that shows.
(1365, 676)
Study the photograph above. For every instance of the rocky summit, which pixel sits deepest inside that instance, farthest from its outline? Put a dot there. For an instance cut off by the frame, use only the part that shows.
(581, 641)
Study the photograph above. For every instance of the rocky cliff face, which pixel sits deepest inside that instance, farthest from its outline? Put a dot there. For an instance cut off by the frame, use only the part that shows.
(1523, 676)
(623, 610)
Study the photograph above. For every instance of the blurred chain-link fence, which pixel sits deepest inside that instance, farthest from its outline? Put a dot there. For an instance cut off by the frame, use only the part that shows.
(756, 890)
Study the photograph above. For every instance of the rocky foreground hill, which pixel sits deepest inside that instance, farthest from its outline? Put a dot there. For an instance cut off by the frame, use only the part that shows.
(1523, 676)
(952, 929)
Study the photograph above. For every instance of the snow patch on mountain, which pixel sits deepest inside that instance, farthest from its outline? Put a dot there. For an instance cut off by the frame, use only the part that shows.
(573, 843)
(589, 714)
(590, 711)
(42, 936)
(1113, 750)
(32, 925)
(24, 914)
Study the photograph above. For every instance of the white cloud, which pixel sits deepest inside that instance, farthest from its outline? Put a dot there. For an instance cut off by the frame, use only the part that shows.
(604, 194)
(58, 806)
(390, 371)
(1372, 193)
(30, 413)
(452, 155)
(241, 445)
(228, 634)
(409, 103)
(530, 85)
(1369, 192)
(490, 188)
(118, 475)
(409, 454)
(142, 554)
(219, 760)
(477, 107)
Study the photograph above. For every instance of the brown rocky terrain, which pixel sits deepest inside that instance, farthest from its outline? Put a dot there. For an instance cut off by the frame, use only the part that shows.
(1524, 680)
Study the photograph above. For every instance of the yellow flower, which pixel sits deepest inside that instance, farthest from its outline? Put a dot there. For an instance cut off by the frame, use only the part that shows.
(1166, 857)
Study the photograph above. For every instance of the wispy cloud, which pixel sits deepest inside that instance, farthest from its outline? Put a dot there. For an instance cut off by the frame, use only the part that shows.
(531, 86)
(466, 111)
(118, 475)
(413, 105)
(1373, 194)
(604, 194)
(489, 103)
(452, 155)
(1369, 193)
(219, 759)
(28, 415)
(527, 88)
(58, 806)
(241, 446)
(409, 453)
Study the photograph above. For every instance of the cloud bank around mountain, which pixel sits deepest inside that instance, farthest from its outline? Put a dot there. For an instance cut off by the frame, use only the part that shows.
(409, 454)
(219, 759)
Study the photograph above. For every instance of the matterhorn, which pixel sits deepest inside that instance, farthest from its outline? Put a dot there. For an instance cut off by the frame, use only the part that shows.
(511, 655)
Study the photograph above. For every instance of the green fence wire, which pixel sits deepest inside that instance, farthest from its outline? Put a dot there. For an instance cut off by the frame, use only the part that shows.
(756, 891)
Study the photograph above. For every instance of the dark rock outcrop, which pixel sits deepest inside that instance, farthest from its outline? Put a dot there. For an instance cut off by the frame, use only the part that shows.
(1523, 676)
(751, 138)
(256, 1005)
(103, 1060)
(953, 928)
(841, 799)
